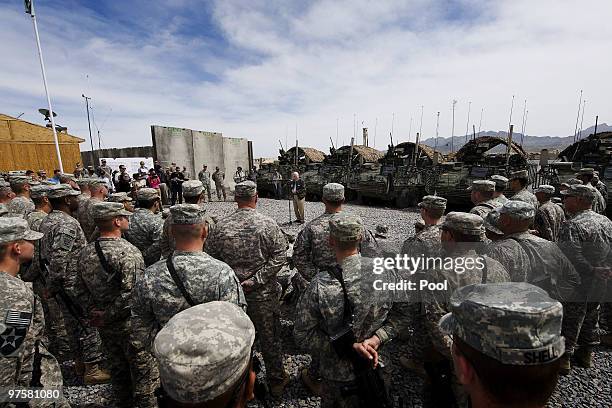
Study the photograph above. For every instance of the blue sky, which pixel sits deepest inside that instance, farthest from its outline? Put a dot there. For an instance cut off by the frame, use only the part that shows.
(258, 69)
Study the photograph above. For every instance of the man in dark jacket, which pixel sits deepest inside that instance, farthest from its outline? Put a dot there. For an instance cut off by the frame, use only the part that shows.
(176, 185)
(298, 192)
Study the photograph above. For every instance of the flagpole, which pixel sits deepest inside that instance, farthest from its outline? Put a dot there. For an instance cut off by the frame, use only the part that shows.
(30, 11)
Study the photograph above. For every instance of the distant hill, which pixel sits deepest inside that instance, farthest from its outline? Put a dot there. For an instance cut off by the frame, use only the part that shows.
(530, 143)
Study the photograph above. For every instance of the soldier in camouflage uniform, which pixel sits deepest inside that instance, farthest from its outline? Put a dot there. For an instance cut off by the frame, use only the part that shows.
(586, 238)
(599, 185)
(506, 343)
(146, 225)
(24, 359)
(518, 183)
(193, 194)
(198, 365)
(157, 296)
(501, 185)
(204, 177)
(83, 184)
(22, 204)
(98, 191)
(6, 194)
(549, 216)
(321, 312)
(256, 249)
(586, 175)
(506, 251)
(481, 193)
(122, 198)
(60, 249)
(107, 278)
(219, 178)
(462, 238)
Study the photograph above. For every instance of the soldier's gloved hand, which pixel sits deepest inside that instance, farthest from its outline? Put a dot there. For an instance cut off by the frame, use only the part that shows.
(248, 285)
(96, 318)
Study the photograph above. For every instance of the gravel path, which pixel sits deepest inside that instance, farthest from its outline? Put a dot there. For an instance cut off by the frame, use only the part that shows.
(583, 388)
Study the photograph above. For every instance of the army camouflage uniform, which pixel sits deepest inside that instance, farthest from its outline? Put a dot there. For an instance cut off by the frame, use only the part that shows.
(254, 246)
(84, 216)
(548, 220)
(311, 251)
(4, 212)
(320, 314)
(527, 197)
(586, 238)
(145, 234)
(60, 249)
(204, 177)
(22, 329)
(110, 291)
(513, 258)
(20, 206)
(483, 208)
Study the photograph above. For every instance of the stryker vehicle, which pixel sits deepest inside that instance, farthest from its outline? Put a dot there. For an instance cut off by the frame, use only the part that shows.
(479, 159)
(397, 177)
(307, 160)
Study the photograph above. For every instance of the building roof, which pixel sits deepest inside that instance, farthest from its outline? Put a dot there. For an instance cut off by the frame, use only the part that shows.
(21, 132)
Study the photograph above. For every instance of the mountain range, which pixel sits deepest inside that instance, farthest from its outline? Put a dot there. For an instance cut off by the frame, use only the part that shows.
(530, 143)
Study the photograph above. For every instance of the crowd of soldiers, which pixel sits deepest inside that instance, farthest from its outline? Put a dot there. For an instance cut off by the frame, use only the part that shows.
(167, 309)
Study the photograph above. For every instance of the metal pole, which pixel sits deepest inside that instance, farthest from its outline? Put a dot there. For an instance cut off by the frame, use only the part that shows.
(509, 145)
(93, 155)
(581, 120)
(44, 76)
(524, 126)
(437, 128)
(511, 110)
(421, 125)
(453, 128)
(467, 125)
(596, 120)
(578, 116)
(480, 123)
(523, 122)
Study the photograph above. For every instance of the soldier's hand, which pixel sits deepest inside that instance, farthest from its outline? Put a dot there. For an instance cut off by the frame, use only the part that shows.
(96, 318)
(366, 351)
(248, 285)
(602, 272)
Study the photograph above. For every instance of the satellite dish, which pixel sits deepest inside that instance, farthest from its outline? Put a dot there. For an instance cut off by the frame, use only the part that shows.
(45, 112)
(57, 127)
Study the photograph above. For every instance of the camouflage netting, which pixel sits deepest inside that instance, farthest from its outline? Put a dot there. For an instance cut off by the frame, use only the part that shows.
(475, 149)
(594, 149)
(305, 155)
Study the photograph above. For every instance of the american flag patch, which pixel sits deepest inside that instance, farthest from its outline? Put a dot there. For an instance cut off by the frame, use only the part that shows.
(17, 318)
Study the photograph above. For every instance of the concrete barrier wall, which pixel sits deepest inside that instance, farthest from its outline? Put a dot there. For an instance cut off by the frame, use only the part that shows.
(140, 151)
(207, 149)
(235, 153)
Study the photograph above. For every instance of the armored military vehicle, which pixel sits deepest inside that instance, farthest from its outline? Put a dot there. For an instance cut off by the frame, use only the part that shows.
(480, 158)
(307, 159)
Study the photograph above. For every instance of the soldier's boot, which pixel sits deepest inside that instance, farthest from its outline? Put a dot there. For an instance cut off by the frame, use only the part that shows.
(95, 375)
(314, 385)
(606, 340)
(413, 366)
(566, 364)
(278, 386)
(583, 357)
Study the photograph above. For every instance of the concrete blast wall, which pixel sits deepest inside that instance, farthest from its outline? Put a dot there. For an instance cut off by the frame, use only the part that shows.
(193, 148)
(115, 153)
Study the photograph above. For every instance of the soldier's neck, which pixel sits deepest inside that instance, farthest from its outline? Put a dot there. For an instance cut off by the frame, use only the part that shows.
(341, 255)
(115, 233)
(192, 246)
(10, 266)
(25, 194)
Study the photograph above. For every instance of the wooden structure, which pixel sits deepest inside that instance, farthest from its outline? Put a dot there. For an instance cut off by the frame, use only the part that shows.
(27, 146)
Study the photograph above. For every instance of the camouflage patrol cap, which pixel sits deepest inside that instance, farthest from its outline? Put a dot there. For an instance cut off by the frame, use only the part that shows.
(19, 179)
(546, 189)
(4, 183)
(482, 185)
(580, 190)
(204, 351)
(105, 210)
(15, 229)
(95, 182)
(501, 182)
(333, 192)
(3, 210)
(491, 222)
(61, 190)
(147, 194)
(192, 188)
(515, 323)
(465, 223)
(245, 189)
(434, 202)
(188, 214)
(518, 209)
(586, 171)
(84, 181)
(69, 176)
(521, 174)
(39, 191)
(345, 227)
(119, 197)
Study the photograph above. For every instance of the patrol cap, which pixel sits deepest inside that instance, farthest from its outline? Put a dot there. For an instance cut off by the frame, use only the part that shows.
(95, 182)
(192, 188)
(546, 189)
(245, 189)
(61, 190)
(572, 182)
(491, 222)
(515, 323)
(465, 223)
(39, 191)
(104, 210)
(119, 197)
(434, 202)
(333, 192)
(482, 185)
(204, 351)
(4, 183)
(586, 171)
(580, 190)
(15, 229)
(69, 176)
(518, 209)
(147, 194)
(500, 181)
(84, 181)
(345, 227)
(188, 214)
(19, 179)
(521, 174)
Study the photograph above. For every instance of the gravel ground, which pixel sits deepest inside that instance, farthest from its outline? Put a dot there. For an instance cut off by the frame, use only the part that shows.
(583, 388)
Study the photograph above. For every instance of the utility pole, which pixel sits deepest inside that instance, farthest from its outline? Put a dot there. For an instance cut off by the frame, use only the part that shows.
(93, 155)
(29, 9)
